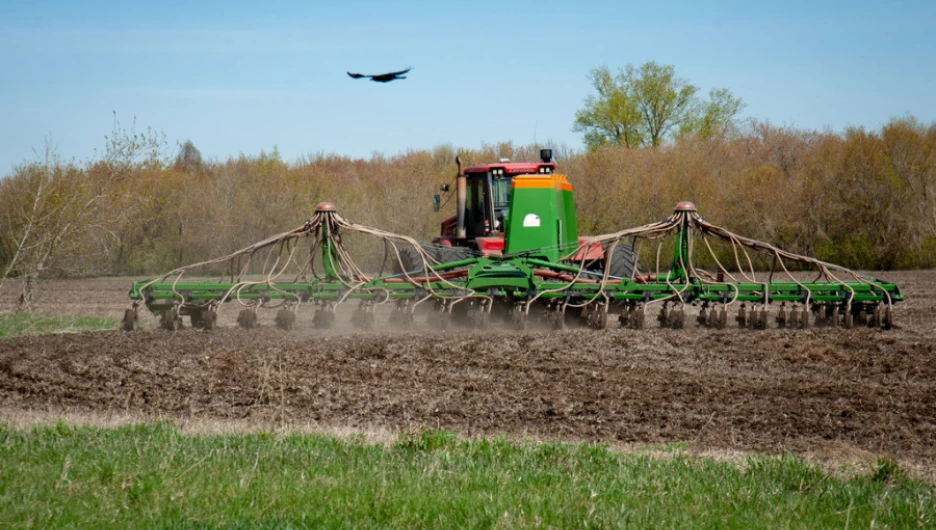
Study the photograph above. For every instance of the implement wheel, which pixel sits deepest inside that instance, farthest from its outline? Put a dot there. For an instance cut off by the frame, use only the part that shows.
(362, 318)
(888, 321)
(209, 319)
(401, 317)
(598, 318)
(247, 319)
(519, 318)
(129, 320)
(198, 319)
(557, 319)
(286, 319)
(204, 319)
(170, 320)
(324, 318)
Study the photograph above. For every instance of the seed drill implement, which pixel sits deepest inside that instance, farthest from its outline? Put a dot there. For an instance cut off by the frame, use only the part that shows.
(511, 256)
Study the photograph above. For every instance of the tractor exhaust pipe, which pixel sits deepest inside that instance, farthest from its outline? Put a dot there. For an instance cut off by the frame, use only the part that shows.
(461, 198)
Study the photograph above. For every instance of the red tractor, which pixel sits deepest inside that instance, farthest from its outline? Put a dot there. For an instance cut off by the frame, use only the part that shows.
(482, 197)
(482, 200)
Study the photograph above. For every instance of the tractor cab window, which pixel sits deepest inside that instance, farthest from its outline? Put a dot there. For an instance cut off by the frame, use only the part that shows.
(501, 187)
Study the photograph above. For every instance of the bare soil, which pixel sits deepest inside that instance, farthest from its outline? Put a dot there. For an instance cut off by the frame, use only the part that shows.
(827, 392)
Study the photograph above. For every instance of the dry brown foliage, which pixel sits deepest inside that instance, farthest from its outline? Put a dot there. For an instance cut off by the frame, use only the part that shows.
(863, 199)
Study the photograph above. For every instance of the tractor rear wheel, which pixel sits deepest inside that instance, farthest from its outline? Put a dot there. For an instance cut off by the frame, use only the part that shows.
(450, 254)
(412, 262)
(622, 260)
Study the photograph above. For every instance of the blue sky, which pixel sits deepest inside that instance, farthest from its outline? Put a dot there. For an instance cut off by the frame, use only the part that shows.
(241, 77)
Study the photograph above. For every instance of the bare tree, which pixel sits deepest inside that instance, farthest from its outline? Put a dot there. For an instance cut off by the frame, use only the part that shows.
(38, 206)
(50, 207)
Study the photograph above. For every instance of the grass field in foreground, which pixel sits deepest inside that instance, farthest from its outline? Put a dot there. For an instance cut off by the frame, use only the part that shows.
(147, 476)
(21, 323)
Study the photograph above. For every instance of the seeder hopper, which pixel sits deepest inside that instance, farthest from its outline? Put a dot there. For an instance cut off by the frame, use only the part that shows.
(511, 256)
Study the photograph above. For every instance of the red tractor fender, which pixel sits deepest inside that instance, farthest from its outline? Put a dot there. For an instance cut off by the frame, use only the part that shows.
(588, 250)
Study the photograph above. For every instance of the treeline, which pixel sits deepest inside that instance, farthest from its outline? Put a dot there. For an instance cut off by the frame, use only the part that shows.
(863, 199)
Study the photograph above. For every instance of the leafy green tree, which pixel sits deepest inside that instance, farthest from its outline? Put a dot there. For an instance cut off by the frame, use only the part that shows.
(612, 116)
(713, 116)
(644, 106)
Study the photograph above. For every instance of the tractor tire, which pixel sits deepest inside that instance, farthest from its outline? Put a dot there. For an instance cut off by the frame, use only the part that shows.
(622, 260)
(412, 262)
(450, 254)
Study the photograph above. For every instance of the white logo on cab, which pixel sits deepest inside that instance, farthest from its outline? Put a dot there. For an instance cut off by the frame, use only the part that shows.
(531, 219)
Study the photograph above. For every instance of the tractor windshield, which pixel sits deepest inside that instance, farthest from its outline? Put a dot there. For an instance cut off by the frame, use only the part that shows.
(501, 190)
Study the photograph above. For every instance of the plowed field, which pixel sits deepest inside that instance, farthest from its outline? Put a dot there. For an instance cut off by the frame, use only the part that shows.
(827, 392)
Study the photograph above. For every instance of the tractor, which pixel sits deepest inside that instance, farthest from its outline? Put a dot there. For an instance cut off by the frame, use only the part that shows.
(479, 226)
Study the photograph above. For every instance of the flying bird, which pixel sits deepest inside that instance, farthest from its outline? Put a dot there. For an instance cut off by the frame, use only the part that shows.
(383, 78)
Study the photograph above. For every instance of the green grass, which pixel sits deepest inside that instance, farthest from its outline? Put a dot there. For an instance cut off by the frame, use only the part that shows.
(22, 323)
(154, 476)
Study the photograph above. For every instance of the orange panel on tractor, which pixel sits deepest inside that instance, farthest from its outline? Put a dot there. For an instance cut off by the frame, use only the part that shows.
(552, 181)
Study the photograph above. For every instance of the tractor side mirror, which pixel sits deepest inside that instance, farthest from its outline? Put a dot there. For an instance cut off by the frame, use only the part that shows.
(436, 201)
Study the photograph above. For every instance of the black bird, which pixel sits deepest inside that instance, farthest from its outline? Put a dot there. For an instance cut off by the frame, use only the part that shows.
(383, 78)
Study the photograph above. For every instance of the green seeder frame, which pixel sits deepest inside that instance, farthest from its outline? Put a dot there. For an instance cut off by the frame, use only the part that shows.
(523, 278)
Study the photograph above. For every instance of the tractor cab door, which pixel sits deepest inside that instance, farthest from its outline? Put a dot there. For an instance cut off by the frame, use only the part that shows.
(478, 206)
